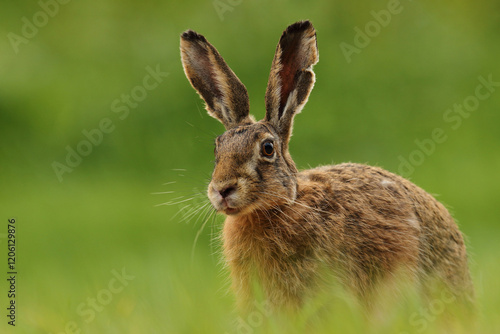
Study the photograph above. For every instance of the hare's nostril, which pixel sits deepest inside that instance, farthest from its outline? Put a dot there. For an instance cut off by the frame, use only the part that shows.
(227, 191)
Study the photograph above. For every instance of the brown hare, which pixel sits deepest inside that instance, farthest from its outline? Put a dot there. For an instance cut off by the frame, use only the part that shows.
(285, 226)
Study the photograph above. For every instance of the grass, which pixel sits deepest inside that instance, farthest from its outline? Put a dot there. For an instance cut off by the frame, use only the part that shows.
(101, 227)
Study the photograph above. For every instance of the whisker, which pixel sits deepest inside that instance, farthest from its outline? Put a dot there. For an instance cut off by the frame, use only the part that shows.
(175, 203)
(168, 183)
(215, 237)
(206, 216)
(193, 213)
(185, 207)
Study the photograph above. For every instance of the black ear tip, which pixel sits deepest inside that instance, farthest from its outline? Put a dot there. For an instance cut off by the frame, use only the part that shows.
(191, 35)
(299, 26)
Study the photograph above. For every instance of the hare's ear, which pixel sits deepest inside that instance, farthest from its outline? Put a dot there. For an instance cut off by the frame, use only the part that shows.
(225, 96)
(292, 78)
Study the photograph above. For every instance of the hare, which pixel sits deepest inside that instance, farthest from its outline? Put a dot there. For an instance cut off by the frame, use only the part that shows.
(285, 226)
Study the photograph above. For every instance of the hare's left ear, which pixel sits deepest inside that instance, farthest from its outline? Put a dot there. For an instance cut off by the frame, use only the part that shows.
(292, 78)
(225, 96)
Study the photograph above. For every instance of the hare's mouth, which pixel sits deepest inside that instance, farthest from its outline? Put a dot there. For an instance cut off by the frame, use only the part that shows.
(231, 211)
(227, 206)
(224, 205)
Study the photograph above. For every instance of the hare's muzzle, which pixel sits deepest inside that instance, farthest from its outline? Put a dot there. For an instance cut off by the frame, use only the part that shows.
(224, 197)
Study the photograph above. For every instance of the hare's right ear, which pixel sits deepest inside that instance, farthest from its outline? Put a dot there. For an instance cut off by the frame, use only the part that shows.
(292, 78)
(225, 96)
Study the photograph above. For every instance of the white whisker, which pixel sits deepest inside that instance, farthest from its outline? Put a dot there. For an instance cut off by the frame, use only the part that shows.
(168, 183)
(193, 213)
(175, 203)
(206, 216)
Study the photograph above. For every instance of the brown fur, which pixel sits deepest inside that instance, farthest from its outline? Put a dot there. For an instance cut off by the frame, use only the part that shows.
(285, 227)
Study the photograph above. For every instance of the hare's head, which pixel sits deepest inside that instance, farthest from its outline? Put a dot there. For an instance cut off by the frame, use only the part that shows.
(253, 169)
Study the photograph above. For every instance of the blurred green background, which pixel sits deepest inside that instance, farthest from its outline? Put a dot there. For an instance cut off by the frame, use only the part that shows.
(66, 67)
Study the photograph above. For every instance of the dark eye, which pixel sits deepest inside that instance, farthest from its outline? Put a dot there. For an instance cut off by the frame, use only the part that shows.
(267, 149)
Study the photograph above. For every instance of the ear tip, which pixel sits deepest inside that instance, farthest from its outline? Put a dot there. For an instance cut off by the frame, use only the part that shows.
(300, 26)
(298, 30)
(191, 35)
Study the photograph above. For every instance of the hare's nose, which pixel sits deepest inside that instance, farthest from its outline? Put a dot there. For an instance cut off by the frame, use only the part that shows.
(226, 191)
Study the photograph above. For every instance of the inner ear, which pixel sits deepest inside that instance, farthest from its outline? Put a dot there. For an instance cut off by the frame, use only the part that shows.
(291, 78)
(225, 96)
(290, 65)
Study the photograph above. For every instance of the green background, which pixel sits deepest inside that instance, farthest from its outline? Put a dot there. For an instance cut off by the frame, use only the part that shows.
(104, 215)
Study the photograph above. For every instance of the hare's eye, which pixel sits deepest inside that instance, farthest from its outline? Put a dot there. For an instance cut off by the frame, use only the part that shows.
(267, 149)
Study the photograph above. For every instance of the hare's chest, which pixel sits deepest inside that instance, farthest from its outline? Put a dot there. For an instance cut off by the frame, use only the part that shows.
(245, 239)
(260, 244)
